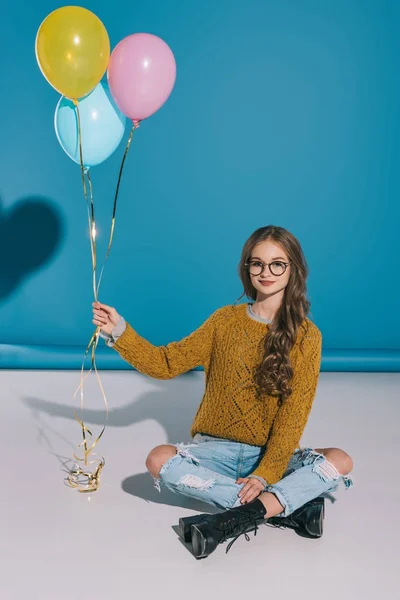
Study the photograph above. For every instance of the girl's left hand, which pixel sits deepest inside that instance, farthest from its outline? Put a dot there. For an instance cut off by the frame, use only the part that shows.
(252, 488)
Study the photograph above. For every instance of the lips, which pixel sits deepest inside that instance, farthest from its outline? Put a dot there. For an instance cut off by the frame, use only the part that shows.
(267, 282)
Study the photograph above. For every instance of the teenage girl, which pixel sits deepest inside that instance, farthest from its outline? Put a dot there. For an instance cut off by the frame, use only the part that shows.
(261, 361)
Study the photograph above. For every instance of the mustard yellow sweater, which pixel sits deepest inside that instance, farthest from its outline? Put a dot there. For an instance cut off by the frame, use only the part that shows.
(229, 346)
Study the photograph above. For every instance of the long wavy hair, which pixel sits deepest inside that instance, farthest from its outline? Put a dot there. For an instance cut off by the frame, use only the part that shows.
(274, 373)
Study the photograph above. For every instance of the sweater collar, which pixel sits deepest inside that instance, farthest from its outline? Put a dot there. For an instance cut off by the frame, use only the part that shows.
(253, 315)
(248, 316)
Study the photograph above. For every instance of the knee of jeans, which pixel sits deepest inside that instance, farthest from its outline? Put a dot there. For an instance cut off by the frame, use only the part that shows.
(182, 453)
(326, 470)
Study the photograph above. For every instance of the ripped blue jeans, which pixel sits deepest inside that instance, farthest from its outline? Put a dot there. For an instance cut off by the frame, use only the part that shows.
(207, 469)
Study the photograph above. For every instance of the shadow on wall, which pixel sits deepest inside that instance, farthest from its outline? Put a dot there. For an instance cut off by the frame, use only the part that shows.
(30, 234)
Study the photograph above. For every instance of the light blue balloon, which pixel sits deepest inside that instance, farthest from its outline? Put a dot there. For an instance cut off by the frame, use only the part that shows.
(102, 126)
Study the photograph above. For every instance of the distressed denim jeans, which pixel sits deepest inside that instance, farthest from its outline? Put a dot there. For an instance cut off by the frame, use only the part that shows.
(208, 467)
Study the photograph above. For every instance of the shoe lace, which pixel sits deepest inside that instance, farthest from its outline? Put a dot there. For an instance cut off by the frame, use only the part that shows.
(276, 525)
(231, 527)
(279, 523)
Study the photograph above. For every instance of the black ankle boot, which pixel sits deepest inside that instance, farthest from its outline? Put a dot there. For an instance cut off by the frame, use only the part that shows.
(307, 521)
(185, 524)
(216, 529)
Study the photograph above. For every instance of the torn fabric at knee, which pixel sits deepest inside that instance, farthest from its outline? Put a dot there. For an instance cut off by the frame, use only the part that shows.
(326, 470)
(181, 452)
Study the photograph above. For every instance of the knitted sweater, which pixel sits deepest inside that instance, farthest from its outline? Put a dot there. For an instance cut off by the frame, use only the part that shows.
(229, 345)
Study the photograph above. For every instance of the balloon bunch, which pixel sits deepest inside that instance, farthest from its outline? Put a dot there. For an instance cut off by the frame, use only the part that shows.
(73, 52)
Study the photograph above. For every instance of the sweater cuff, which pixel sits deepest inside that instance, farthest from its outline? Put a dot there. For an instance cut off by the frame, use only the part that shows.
(116, 333)
(267, 473)
(265, 484)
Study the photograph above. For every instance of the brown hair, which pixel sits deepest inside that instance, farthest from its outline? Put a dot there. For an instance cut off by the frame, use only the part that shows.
(273, 374)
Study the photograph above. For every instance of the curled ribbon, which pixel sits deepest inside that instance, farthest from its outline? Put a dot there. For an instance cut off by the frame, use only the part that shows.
(86, 478)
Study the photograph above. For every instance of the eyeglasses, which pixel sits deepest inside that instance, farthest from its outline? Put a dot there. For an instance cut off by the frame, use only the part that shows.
(277, 267)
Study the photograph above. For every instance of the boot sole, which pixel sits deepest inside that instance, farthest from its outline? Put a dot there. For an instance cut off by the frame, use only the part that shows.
(199, 542)
(184, 532)
(185, 525)
(317, 526)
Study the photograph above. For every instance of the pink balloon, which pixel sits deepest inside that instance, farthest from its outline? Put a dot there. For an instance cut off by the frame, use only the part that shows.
(141, 74)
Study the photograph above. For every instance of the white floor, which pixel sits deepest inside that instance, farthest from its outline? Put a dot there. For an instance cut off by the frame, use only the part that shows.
(119, 542)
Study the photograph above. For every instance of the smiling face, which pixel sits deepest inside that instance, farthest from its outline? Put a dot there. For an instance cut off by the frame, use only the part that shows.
(269, 252)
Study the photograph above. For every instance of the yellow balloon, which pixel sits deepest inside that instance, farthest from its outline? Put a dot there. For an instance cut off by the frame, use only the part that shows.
(73, 49)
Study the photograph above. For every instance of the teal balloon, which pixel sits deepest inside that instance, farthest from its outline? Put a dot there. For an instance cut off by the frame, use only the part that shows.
(102, 126)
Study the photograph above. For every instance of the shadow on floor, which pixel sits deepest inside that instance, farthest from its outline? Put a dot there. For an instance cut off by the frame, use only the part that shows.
(180, 396)
(173, 405)
(142, 486)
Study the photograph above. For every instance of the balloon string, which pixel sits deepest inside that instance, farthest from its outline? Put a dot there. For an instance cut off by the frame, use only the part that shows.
(135, 126)
(93, 234)
(75, 101)
(79, 478)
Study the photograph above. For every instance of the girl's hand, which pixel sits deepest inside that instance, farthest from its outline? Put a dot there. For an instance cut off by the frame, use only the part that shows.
(252, 488)
(104, 317)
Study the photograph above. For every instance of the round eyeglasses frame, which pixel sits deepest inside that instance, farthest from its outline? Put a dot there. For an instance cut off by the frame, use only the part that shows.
(248, 265)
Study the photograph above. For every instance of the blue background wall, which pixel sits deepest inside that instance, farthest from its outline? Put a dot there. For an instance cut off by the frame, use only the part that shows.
(284, 112)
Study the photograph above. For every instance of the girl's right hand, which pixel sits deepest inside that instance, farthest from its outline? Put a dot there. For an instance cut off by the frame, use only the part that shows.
(105, 317)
